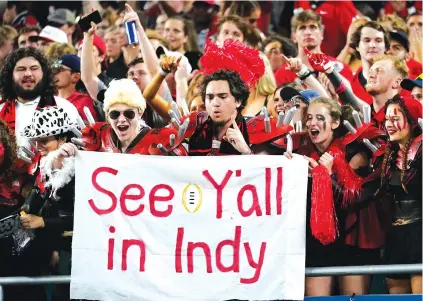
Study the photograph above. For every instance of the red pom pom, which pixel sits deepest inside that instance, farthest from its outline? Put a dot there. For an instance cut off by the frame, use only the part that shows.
(347, 178)
(323, 219)
(235, 56)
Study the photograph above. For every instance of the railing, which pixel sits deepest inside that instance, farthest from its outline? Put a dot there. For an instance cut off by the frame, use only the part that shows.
(311, 272)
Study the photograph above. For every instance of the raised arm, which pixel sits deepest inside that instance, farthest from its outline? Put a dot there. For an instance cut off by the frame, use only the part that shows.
(160, 105)
(88, 70)
(295, 65)
(147, 50)
(321, 63)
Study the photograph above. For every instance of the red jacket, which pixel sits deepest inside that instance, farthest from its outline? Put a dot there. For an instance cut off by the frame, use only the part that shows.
(80, 100)
(388, 9)
(99, 137)
(414, 68)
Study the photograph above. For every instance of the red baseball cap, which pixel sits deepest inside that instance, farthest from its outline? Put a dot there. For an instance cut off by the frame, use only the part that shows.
(209, 2)
(99, 43)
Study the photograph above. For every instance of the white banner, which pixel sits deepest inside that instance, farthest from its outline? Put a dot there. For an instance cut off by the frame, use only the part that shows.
(188, 228)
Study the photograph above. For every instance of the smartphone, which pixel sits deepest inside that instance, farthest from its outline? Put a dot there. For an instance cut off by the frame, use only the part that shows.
(85, 23)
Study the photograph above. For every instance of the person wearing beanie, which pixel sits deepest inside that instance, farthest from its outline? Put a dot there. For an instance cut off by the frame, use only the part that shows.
(124, 130)
(67, 73)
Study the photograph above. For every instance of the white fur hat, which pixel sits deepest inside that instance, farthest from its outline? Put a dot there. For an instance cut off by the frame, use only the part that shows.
(123, 91)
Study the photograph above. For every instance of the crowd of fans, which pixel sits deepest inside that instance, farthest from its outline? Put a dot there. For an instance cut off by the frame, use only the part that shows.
(219, 78)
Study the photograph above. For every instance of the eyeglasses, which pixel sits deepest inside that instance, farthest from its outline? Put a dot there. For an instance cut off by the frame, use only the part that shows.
(128, 114)
(57, 67)
(63, 69)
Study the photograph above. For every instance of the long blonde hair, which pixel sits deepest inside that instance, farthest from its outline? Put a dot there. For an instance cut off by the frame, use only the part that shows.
(267, 83)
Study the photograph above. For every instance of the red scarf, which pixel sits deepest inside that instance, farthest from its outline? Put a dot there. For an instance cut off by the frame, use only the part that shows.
(7, 114)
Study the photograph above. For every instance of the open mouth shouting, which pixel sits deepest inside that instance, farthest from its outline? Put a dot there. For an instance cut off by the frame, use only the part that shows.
(122, 128)
(314, 133)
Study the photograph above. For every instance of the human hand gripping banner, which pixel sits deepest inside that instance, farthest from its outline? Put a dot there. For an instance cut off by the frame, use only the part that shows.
(189, 228)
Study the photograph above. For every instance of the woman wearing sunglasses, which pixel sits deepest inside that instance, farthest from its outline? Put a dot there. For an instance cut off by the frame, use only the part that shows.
(125, 131)
(49, 207)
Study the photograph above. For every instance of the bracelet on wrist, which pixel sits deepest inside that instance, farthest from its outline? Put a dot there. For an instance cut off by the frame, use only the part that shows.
(304, 70)
(162, 72)
(302, 78)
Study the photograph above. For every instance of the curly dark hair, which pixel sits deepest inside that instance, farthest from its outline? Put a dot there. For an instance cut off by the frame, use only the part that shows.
(10, 150)
(237, 86)
(6, 80)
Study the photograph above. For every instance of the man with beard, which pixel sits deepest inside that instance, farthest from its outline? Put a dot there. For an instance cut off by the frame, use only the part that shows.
(25, 85)
(384, 82)
(307, 32)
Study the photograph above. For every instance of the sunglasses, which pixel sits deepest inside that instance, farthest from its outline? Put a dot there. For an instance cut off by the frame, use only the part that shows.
(128, 114)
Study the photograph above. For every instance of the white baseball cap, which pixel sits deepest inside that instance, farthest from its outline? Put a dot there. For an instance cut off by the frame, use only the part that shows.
(53, 34)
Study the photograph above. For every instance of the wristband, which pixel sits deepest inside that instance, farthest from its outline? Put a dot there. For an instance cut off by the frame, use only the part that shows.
(342, 87)
(302, 78)
(304, 70)
(162, 72)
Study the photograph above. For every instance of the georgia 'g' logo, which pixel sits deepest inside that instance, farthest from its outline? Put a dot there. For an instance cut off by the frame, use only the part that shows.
(192, 197)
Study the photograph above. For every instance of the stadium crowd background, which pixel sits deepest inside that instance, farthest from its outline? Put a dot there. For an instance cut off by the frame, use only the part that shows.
(279, 29)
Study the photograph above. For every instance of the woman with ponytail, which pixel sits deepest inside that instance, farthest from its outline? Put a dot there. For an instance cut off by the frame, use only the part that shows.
(332, 183)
